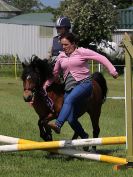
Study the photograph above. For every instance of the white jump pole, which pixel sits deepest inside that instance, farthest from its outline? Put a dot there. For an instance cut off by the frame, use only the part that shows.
(65, 151)
(87, 155)
(13, 140)
(66, 143)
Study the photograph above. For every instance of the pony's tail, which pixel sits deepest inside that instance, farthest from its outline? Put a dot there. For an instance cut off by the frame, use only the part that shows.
(98, 77)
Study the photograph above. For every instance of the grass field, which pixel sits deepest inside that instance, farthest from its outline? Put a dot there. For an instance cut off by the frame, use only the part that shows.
(18, 119)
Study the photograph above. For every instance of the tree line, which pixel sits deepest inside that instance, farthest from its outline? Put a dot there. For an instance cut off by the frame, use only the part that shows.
(92, 20)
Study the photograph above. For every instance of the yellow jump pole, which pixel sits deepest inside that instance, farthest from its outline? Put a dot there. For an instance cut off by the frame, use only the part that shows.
(66, 151)
(13, 140)
(67, 143)
(92, 156)
(15, 66)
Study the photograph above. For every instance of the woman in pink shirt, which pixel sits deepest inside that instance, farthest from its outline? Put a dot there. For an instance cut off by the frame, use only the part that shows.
(73, 62)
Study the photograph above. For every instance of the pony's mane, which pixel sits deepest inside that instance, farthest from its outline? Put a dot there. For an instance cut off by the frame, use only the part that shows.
(39, 67)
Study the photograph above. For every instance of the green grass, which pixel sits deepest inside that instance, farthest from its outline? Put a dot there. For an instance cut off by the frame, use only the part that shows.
(18, 119)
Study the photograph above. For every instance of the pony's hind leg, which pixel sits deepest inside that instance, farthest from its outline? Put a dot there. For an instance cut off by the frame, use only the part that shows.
(95, 115)
(75, 136)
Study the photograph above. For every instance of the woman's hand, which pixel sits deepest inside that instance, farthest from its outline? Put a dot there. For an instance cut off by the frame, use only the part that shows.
(116, 75)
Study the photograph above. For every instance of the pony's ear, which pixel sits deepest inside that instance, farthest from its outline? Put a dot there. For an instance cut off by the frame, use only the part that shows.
(23, 65)
(37, 62)
(34, 57)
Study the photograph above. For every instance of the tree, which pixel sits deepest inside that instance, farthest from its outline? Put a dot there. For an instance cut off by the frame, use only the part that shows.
(93, 20)
(47, 9)
(26, 5)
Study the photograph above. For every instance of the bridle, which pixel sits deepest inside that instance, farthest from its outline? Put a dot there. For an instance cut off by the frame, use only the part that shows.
(29, 93)
(31, 88)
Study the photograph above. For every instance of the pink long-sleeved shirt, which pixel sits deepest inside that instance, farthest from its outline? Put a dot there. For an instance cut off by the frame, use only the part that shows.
(77, 64)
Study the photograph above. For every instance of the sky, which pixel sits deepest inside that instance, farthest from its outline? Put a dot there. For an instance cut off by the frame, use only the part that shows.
(52, 3)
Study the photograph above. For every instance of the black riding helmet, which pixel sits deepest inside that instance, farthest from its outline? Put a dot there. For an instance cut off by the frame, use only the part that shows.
(63, 22)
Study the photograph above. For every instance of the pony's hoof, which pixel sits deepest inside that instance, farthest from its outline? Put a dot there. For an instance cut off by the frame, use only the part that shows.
(93, 150)
(86, 148)
(52, 155)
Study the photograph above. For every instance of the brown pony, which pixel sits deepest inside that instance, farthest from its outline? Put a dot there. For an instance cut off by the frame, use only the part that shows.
(35, 74)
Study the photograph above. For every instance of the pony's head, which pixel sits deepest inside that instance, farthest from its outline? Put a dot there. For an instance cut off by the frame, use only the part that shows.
(34, 75)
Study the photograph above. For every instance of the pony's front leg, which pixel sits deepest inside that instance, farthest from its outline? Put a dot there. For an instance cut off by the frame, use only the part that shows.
(51, 116)
(45, 130)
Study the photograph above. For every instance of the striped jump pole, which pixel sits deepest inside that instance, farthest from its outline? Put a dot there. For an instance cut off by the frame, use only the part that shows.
(64, 151)
(13, 140)
(91, 156)
(74, 153)
(66, 143)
